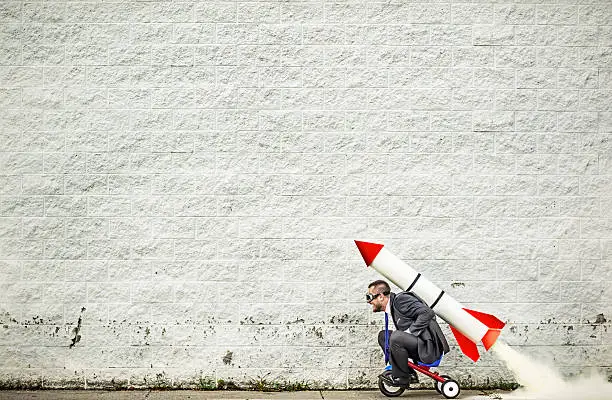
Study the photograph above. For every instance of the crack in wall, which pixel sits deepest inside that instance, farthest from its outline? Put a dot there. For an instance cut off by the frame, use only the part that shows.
(77, 338)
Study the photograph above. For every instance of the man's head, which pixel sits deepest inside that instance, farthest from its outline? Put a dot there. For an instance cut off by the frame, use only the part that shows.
(378, 295)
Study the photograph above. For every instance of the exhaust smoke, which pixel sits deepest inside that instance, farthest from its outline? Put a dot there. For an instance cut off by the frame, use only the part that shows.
(542, 382)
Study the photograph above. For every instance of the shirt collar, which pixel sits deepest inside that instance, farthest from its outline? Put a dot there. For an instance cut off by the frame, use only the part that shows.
(388, 308)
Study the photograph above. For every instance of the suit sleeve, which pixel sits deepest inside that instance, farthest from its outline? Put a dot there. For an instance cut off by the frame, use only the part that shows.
(420, 312)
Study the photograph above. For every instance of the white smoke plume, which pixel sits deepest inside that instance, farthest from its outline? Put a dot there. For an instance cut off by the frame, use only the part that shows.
(541, 382)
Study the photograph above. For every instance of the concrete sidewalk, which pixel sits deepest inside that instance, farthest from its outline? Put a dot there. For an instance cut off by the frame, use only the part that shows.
(233, 395)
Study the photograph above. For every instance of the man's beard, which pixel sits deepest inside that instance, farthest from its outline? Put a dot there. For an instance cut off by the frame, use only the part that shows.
(378, 308)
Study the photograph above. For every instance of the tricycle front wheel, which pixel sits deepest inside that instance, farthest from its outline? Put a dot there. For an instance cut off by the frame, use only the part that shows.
(388, 390)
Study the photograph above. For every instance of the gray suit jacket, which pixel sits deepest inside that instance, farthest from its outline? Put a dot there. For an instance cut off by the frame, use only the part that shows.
(409, 312)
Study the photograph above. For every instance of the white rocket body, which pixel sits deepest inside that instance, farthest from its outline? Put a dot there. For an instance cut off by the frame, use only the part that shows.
(468, 326)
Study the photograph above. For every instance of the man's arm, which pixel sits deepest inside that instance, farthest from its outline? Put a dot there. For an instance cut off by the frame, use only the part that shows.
(413, 307)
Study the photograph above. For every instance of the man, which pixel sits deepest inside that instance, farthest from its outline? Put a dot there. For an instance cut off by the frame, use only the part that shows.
(417, 336)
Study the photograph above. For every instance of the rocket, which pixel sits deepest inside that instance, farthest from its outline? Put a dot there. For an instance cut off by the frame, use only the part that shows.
(468, 326)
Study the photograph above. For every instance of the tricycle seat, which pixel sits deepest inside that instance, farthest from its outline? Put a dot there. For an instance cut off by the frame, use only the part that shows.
(433, 364)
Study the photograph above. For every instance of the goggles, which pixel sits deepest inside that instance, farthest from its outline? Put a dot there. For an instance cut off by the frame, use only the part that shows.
(370, 297)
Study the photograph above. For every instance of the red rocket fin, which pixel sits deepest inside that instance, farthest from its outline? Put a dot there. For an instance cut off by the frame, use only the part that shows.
(491, 322)
(490, 337)
(466, 345)
(368, 251)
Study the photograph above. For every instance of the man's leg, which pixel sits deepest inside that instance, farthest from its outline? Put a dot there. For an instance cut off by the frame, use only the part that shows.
(403, 347)
(381, 340)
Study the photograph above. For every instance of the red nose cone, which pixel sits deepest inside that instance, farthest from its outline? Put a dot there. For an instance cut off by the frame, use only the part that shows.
(368, 251)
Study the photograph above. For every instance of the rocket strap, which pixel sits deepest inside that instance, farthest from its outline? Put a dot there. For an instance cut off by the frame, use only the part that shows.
(437, 300)
(414, 282)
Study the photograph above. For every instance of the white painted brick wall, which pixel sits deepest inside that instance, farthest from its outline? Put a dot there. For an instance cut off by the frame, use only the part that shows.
(181, 182)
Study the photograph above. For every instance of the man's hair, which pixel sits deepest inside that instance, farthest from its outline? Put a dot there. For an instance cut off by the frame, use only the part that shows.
(380, 286)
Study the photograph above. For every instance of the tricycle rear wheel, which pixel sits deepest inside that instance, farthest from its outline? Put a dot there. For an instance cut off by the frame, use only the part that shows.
(450, 389)
(438, 385)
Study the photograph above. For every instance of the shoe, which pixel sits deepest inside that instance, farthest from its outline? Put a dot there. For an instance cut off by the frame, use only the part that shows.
(413, 377)
(395, 380)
